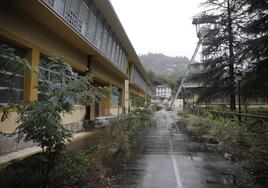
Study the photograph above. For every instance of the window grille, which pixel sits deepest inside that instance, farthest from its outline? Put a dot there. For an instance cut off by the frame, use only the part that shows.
(52, 79)
(115, 97)
(92, 26)
(82, 22)
(120, 59)
(117, 54)
(59, 6)
(84, 17)
(109, 46)
(123, 60)
(114, 50)
(99, 32)
(104, 40)
(71, 12)
(125, 63)
(49, 2)
(138, 78)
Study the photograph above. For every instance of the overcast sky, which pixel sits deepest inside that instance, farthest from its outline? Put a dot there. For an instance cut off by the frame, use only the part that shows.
(159, 26)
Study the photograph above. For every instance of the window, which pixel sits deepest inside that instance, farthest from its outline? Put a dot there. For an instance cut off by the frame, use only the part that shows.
(99, 32)
(109, 45)
(114, 50)
(92, 26)
(105, 40)
(138, 78)
(117, 55)
(59, 6)
(49, 2)
(115, 97)
(54, 80)
(120, 58)
(11, 77)
(84, 16)
(124, 62)
(82, 21)
(71, 12)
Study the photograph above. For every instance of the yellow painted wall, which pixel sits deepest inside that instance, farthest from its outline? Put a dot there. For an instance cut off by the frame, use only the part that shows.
(9, 125)
(76, 116)
(19, 27)
(16, 23)
(114, 111)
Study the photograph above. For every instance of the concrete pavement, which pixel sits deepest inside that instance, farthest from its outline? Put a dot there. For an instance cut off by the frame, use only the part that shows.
(4, 159)
(166, 158)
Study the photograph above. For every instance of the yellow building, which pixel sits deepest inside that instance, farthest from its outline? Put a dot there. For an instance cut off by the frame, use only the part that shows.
(90, 36)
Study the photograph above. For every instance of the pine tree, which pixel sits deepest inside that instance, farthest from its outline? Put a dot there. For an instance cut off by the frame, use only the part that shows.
(221, 47)
(255, 52)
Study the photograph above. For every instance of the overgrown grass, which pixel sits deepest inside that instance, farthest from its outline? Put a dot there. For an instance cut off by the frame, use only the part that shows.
(249, 145)
(95, 166)
(249, 110)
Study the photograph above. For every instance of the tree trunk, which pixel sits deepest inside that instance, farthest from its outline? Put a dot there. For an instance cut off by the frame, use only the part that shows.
(231, 58)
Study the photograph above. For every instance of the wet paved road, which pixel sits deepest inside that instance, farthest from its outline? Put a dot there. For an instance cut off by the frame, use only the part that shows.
(166, 157)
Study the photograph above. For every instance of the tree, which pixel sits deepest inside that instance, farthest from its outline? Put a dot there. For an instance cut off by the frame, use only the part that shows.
(11, 65)
(40, 121)
(255, 51)
(163, 80)
(220, 48)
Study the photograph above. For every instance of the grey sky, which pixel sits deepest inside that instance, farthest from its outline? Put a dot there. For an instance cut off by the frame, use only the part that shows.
(162, 26)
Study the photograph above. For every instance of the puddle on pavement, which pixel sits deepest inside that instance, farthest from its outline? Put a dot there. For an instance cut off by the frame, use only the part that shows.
(202, 156)
(210, 168)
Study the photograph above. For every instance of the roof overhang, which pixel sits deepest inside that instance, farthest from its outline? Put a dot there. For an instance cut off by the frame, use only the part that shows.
(136, 86)
(112, 19)
(46, 16)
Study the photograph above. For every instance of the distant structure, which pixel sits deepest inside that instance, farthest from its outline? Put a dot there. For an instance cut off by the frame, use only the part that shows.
(163, 91)
(190, 83)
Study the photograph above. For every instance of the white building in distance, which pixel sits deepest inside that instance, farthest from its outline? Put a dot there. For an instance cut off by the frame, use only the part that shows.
(163, 91)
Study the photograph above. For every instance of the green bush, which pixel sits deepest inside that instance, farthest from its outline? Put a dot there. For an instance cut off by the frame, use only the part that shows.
(183, 113)
(244, 142)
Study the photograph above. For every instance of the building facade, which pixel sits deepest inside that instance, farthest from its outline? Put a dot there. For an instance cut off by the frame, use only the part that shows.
(163, 91)
(90, 37)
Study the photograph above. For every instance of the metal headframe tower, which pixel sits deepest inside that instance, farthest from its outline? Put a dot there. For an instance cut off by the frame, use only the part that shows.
(202, 29)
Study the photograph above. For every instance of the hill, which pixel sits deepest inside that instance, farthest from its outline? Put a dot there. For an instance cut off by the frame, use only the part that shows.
(161, 64)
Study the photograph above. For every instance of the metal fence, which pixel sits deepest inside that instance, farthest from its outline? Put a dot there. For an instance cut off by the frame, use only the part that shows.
(246, 120)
